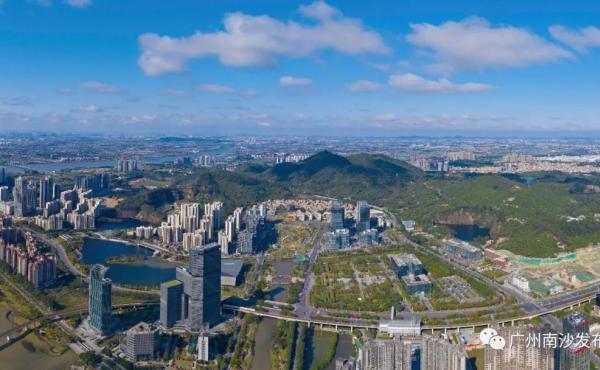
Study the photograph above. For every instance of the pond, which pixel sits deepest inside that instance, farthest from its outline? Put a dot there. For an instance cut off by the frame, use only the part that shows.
(469, 233)
(149, 271)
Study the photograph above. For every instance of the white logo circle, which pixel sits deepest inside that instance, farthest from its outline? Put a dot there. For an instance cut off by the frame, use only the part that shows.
(486, 334)
(497, 342)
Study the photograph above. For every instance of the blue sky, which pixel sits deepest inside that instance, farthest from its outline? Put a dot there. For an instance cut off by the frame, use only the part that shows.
(219, 67)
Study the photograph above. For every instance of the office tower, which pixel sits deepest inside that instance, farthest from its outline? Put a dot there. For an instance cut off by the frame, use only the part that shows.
(3, 193)
(200, 298)
(171, 293)
(576, 356)
(100, 300)
(140, 343)
(362, 216)
(45, 194)
(337, 216)
(2, 175)
(520, 353)
(23, 197)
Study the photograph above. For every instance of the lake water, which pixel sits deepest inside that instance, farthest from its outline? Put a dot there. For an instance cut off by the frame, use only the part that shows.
(126, 223)
(150, 272)
(469, 233)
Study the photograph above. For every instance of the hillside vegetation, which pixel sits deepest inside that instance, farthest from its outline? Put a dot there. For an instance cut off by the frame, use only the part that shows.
(528, 219)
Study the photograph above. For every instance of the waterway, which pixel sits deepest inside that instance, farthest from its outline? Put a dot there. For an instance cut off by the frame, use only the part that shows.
(317, 346)
(54, 167)
(149, 272)
(278, 291)
(469, 233)
(30, 352)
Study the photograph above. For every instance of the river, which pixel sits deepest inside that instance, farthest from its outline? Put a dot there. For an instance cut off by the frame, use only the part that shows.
(54, 167)
(317, 345)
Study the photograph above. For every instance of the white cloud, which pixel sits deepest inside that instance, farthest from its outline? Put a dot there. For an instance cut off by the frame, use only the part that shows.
(249, 40)
(44, 3)
(250, 93)
(579, 39)
(319, 10)
(294, 81)
(15, 100)
(363, 86)
(90, 109)
(387, 117)
(79, 3)
(412, 83)
(217, 89)
(474, 44)
(102, 87)
(174, 93)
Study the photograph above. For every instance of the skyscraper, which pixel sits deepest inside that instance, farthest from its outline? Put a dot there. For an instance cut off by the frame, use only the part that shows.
(2, 175)
(23, 198)
(362, 216)
(100, 300)
(337, 216)
(170, 302)
(576, 356)
(198, 288)
(46, 191)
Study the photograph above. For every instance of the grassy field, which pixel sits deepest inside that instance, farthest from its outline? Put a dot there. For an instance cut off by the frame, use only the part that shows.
(293, 239)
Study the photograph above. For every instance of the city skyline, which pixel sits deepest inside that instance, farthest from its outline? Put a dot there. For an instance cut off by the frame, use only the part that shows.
(277, 68)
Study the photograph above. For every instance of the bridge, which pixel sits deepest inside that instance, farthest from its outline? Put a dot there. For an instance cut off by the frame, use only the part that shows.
(56, 316)
(359, 324)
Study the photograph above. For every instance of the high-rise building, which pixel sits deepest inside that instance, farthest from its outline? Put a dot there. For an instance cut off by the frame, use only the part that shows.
(409, 353)
(3, 193)
(362, 216)
(23, 197)
(245, 242)
(2, 175)
(171, 293)
(576, 355)
(127, 165)
(521, 352)
(100, 300)
(45, 194)
(140, 342)
(200, 296)
(337, 216)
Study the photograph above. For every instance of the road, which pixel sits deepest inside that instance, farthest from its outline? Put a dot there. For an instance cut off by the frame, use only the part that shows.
(302, 307)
